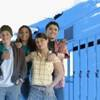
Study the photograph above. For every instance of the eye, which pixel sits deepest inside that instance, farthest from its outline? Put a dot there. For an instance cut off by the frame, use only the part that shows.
(42, 40)
(7, 34)
(50, 28)
(56, 29)
(21, 33)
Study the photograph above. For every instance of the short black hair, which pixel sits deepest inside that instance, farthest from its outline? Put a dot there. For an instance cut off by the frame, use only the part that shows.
(41, 35)
(52, 23)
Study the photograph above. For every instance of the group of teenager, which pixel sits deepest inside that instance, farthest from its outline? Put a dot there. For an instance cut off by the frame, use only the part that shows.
(32, 69)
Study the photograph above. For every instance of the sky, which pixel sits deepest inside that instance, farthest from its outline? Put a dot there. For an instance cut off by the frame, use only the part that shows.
(19, 12)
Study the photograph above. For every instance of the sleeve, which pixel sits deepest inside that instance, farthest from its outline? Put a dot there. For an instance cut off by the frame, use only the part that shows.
(0, 63)
(23, 65)
(1, 52)
(1, 58)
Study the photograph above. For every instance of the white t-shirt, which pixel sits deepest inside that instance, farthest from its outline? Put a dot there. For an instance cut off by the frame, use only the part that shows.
(7, 69)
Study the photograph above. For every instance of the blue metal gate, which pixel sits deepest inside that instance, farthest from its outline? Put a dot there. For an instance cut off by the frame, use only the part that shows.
(76, 63)
(91, 68)
(98, 67)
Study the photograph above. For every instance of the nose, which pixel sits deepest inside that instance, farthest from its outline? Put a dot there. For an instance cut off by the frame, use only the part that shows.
(39, 43)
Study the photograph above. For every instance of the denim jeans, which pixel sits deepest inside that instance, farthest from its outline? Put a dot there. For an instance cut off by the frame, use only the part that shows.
(25, 88)
(10, 93)
(41, 93)
(59, 92)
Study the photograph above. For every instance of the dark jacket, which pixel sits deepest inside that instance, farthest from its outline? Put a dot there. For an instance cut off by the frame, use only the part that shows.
(19, 70)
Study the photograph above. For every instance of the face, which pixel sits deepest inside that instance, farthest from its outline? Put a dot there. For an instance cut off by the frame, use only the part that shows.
(52, 31)
(24, 34)
(41, 43)
(6, 37)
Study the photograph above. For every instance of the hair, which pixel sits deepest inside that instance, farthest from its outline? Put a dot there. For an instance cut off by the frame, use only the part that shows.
(52, 23)
(41, 35)
(6, 28)
(31, 42)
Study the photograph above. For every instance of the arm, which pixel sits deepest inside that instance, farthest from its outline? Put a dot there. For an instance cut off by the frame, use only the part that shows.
(63, 48)
(29, 57)
(3, 55)
(67, 54)
(58, 71)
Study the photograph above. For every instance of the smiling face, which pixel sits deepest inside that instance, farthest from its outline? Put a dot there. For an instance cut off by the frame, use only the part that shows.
(6, 37)
(52, 31)
(24, 34)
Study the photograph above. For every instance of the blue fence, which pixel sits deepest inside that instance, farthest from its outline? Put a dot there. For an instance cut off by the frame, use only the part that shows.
(84, 64)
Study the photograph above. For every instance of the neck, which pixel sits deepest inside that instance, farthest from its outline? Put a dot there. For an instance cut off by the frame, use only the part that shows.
(44, 52)
(24, 42)
(52, 39)
(7, 44)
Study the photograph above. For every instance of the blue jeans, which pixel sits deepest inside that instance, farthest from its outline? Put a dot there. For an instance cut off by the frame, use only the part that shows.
(59, 92)
(41, 93)
(10, 93)
(25, 88)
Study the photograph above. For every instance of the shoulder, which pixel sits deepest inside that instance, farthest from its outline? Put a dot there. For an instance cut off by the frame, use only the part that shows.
(32, 54)
(53, 57)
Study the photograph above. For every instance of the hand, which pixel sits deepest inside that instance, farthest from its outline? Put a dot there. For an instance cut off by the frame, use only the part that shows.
(51, 86)
(19, 81)
(6, 55)
(18, 44)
